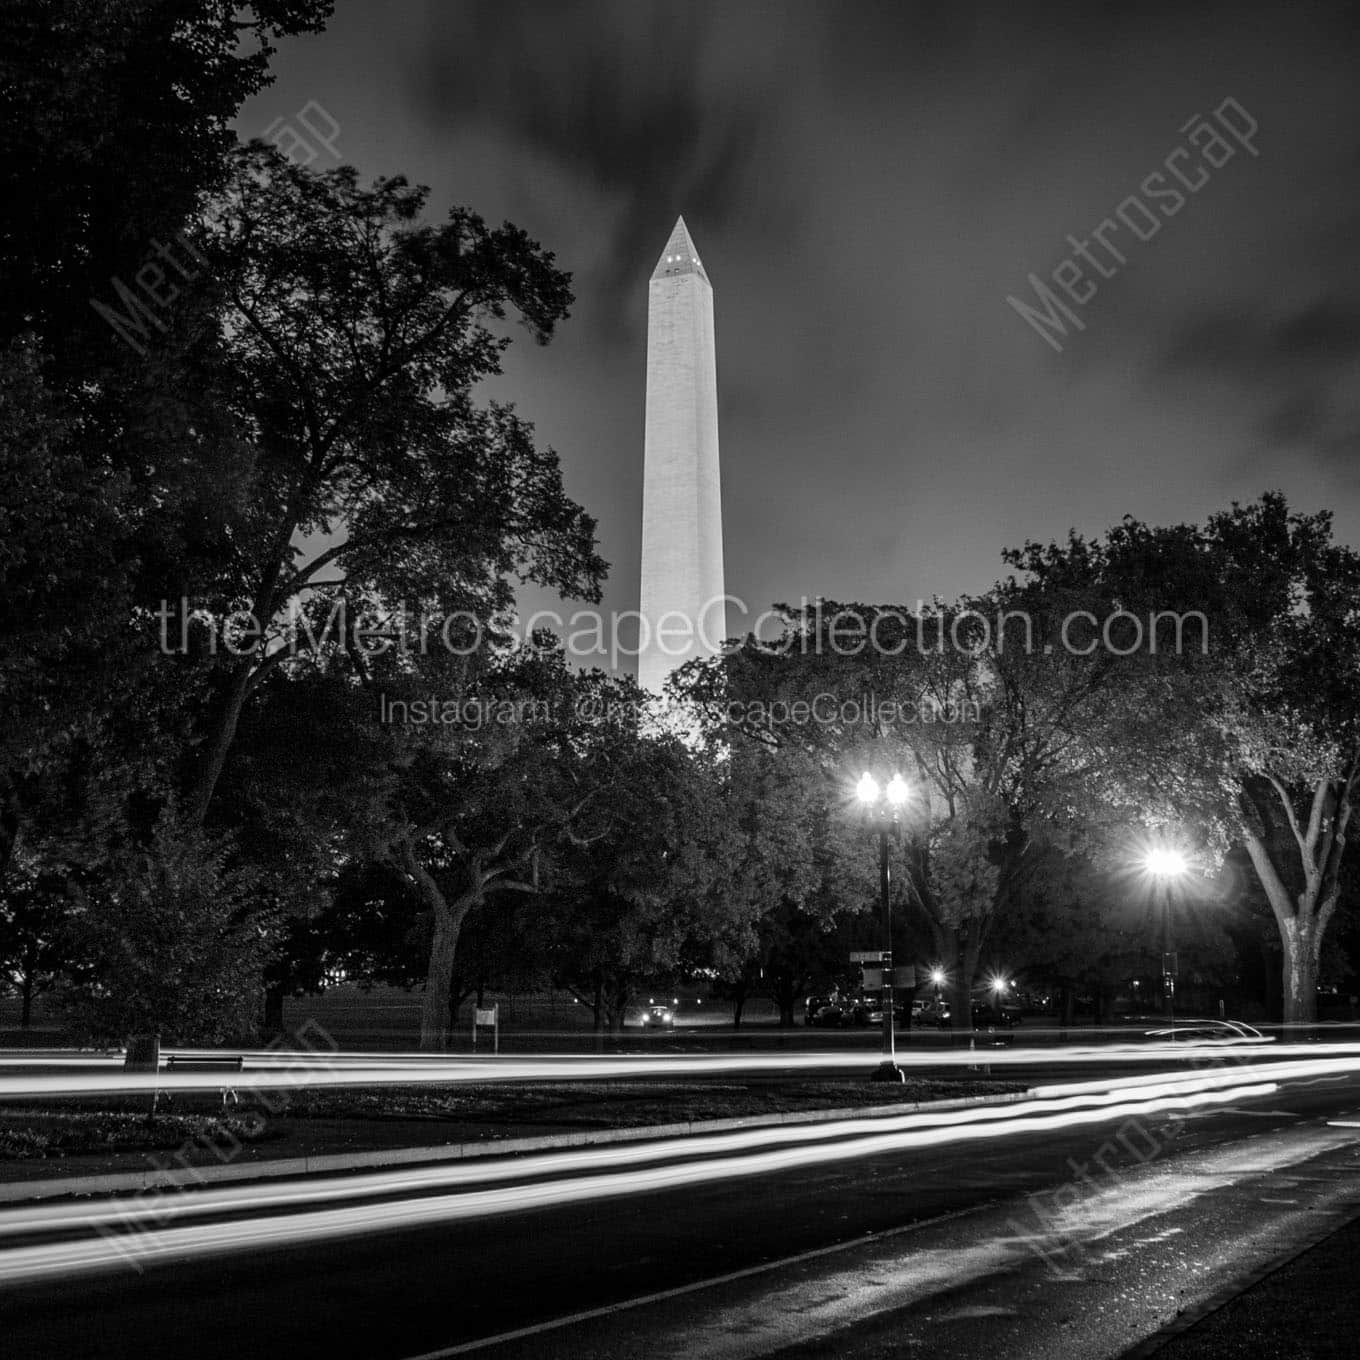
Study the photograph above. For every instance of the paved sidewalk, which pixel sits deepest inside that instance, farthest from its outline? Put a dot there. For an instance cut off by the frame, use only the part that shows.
(1306, 1309)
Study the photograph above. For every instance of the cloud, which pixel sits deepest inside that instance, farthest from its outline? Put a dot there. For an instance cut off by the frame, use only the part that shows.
(653, 108)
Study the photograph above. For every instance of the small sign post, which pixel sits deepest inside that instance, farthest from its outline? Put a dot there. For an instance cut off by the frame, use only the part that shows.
(143, 1054)
(490, 1018)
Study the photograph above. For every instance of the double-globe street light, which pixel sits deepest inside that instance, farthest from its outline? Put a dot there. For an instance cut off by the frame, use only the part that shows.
(884, 803)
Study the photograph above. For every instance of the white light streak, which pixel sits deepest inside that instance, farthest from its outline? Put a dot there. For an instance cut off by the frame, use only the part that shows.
(179, 1242)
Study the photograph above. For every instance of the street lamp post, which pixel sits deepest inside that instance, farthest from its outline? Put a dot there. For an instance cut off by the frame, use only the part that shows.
(885, 804)
(1166, 866)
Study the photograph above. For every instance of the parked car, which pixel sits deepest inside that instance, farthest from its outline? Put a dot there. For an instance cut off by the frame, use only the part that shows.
(985, 1015)
(840, 1011)
(659, 1013)
(868, 1010)
(826, 1011)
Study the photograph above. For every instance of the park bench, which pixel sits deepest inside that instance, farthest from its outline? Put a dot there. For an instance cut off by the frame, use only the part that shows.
(209, 1062)
(206, 1062)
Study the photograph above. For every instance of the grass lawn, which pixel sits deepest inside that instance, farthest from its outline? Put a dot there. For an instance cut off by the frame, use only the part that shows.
(333, 1120)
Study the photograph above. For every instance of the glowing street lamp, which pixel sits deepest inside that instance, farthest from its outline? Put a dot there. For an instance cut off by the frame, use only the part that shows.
(1164, 863)
(885, 804)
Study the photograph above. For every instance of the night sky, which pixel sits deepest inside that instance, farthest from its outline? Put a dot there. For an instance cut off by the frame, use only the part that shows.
(866, 184)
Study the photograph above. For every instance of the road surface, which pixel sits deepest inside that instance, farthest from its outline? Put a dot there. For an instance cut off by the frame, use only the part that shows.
(1029, 1233)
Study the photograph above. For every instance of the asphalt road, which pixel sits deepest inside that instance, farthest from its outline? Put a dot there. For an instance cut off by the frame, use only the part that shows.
(1016, 1245)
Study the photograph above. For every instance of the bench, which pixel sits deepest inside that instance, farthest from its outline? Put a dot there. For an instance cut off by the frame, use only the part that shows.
(209, 1062)
(206, 1062)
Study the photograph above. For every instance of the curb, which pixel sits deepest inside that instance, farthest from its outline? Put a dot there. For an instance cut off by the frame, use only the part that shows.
(164, 1179)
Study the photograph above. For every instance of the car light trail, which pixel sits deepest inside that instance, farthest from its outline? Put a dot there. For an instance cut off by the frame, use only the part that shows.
(183, 1199)
(327, 1070)
(144, 1245)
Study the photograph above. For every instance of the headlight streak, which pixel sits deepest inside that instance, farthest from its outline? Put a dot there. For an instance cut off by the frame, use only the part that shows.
(198, 1202)
(202, 1240)
(332, 1073)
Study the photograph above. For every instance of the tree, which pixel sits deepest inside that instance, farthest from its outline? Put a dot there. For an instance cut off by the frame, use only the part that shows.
(295, 801)
(994, 731)
(1093, 919)
(796, 950)
(116, 119)
(646, 878)
(33, 944)
(63, 595)
(490, 802)
(171, 943)
(348, 342)
(1256, 738)
(116, 123)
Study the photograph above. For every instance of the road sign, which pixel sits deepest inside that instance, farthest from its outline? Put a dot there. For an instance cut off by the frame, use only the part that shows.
(1169, 968)
(869, 956)
(489, 1017)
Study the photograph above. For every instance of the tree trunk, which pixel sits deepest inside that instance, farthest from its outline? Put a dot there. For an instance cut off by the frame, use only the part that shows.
(1303, 920)
(447, 919)
(434, 1010)
(598, 1015)
(273, 1008)
(9, 826)
(1300, 971)
(960, 1003)
(26, 1010)
(218, 745)
(959, 950)
(738, 1005)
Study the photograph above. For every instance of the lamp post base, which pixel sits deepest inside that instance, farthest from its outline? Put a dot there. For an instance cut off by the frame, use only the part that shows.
(888, 1071)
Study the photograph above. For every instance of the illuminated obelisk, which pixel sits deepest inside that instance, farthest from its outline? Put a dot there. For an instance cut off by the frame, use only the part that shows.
(682, 554)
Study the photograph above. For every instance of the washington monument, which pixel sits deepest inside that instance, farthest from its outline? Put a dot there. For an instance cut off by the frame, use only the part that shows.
(682, 555)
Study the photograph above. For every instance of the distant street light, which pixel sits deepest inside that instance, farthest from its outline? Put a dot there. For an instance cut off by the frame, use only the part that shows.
(885, 805)
(1167, 865)
(937, 976)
